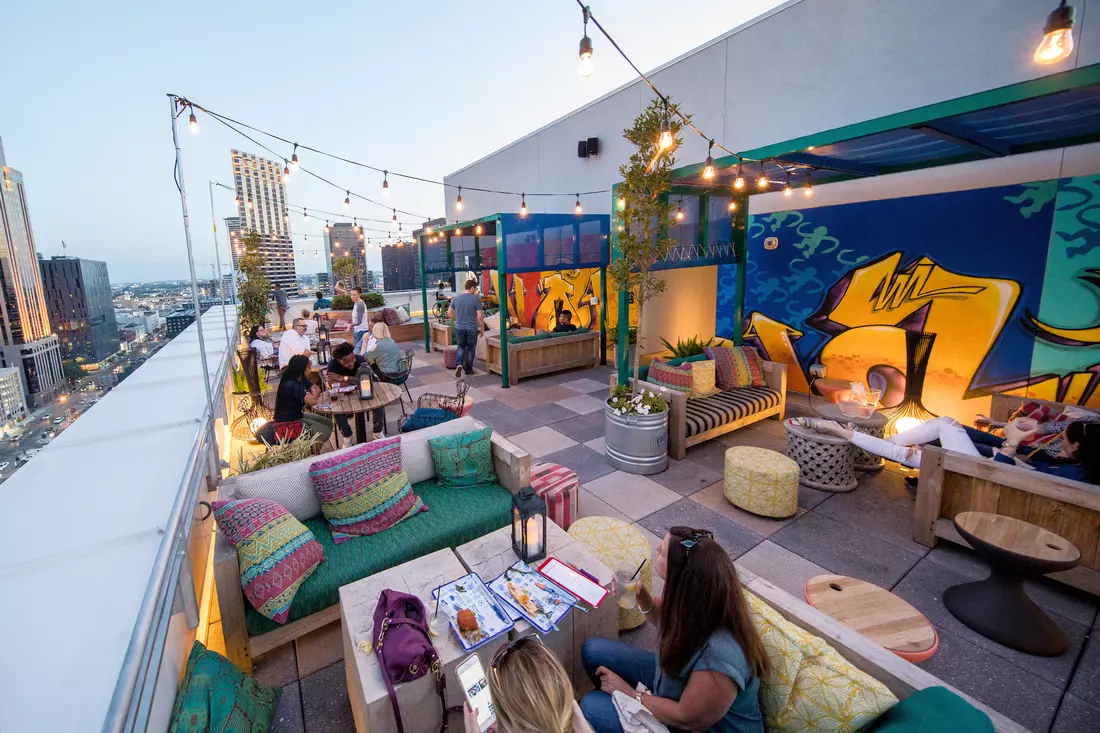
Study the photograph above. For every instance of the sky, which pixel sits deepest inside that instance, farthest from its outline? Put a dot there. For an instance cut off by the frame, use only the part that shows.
(419, 87)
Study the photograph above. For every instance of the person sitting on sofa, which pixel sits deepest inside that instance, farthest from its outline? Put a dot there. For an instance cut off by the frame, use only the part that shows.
(258, 340)
(294, 342)
(295, 391)
(1074, 453)
(342, 371)
(565, 323)
(706, 673)
(322, 303)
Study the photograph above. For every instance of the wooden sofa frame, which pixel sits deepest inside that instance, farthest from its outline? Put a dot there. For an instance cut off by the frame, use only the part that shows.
(543, 356)
(775, 375)
(513, 469)
(443, 335)
(951, 483)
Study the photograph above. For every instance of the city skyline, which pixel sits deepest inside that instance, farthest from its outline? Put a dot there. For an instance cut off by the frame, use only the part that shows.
(74, 97)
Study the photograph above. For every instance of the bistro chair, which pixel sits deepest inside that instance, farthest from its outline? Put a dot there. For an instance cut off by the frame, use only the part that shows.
(433, 409)
(400, 377)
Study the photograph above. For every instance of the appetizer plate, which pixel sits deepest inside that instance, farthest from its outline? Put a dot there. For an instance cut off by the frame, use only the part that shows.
(533, 596)
(470, 592)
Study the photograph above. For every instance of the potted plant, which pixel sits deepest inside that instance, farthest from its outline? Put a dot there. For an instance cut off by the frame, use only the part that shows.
(684, 349)
(374, 300)
(636, 440)
(253, 287)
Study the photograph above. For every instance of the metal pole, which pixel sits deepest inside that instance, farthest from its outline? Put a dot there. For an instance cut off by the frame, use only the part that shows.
(424, 296)
(218, 259)
(214, 470)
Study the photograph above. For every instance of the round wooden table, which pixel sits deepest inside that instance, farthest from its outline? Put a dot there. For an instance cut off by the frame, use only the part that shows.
(875, 425)
(875, 613)
(350, 404)
(998, 607)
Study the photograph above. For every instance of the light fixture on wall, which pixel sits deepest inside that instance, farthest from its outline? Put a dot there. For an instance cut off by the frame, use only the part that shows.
(1057, 43)
(585, 66)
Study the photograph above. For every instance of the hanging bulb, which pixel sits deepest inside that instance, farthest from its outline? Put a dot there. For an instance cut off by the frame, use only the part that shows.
(621, 203)
(708, 166)
(664, 142)
(326, 226)
(305, 213)
(355, 223)
(385, 183)
(360, 237)
(477, 229)
(294, 158)
(733, 205)
(809, 190)
(393, 222)
(680, 210)
(347, 199)
(458, 201)
(400, 227)
(739, 182)
(428, 229)
(586, 65)
(762, 181)
(523, 204)
(286, 172)
(787, 188)
(458, 232)
(236, 201)
(250, 206)
(577, 206)
(193, 122)
(286, 215)
(1057, 43)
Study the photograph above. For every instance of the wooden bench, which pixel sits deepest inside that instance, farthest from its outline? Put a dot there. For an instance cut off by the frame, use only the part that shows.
(544, 356)
(443, 335)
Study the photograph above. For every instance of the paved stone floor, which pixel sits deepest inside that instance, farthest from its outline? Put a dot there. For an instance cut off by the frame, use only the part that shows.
(864, 534)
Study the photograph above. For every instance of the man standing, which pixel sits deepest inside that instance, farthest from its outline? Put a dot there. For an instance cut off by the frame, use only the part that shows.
(293, 343)
(469, 321)
(360, 324)
(281, 304)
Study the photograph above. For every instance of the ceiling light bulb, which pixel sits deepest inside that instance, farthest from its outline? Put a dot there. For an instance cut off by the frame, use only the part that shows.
(1057, 42)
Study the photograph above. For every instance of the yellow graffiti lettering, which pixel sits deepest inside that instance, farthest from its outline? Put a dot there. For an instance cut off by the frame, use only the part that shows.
(1077, 335)
(777, 338)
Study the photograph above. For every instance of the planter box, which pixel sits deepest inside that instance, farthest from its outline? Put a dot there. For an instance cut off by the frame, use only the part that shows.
(531, 358)
(443, 335)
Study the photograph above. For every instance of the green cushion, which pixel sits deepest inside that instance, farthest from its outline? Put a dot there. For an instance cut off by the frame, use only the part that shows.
(543, 336)
(931, 710)
(464, 459)
(454, 517)
(216, 696)
(643, 371)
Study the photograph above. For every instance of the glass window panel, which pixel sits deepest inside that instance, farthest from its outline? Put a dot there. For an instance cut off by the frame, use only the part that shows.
(593, 243)
(558, 246)
(523, 250)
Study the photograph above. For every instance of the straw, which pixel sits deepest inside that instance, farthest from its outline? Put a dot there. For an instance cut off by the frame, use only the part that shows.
(635, 575)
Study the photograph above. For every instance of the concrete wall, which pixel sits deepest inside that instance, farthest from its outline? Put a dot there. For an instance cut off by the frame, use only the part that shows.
(686, 310)
(808, 66)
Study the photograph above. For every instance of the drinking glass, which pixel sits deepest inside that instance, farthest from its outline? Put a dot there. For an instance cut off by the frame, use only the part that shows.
(626, 586)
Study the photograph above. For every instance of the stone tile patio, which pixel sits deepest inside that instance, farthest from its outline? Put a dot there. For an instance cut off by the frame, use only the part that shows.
(865, 534)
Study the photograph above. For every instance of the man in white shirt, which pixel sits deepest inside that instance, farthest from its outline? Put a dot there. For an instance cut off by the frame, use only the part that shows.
(294, 342)
(359, 321)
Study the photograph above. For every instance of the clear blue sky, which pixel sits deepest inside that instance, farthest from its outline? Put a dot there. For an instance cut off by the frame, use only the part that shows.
(422, 87)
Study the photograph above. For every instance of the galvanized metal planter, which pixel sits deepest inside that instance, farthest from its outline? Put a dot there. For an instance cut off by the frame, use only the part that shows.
(636, 443)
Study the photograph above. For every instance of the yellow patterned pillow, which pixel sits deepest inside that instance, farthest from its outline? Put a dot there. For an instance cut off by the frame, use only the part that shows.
(824, 694)
(702, 379)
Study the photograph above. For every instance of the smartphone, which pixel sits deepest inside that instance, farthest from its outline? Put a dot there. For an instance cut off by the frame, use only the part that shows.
(476, 688)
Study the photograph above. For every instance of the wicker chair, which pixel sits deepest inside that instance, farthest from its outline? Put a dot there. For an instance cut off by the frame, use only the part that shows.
(399, 377)
(251, 405)
(450, 403)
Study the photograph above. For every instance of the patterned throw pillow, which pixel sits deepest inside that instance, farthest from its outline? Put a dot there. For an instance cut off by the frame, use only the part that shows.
(677, 378)
(724, 376)
(747, 361)
(276, 552)
(389, 315)
(364, 491)
(464, 459)
(811, 687)
(736, 367)
(215, 695)
(702, 380)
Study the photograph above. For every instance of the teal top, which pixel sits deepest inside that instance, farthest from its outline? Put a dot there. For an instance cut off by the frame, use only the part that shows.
(721, 654)
(386, 355)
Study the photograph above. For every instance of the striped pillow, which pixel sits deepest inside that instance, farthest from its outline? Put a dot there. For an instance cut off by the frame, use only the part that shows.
(364, 491)
(276, 552)
(676, 378)
(736, 367)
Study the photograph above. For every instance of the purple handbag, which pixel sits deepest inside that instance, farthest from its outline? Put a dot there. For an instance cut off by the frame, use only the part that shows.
(404, 648)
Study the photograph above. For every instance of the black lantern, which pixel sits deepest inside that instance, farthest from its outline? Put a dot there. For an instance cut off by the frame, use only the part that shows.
(528, 525)
(366, 382)
(322, 345)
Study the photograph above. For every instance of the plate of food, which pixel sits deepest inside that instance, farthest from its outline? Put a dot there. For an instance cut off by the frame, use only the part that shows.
(474, 612)
(533, 596)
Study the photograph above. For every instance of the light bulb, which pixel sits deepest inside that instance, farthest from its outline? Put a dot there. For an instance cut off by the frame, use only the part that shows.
(193, 123)
(347, 199)
(1057, 42)
(477, 229)
(236, 200)
(708, 166)
(680, 211)
(294, 158)
(577, 206)
(733, 205)
(458, 201)
(739, 182)
(787, 190)
(665, 141)
(393, 222)
(286, 172)
(762, 181)
(428, 229)
(809, 190)
(326, 226)
(385, 183)
(250, 206)
(586, 65)
(621, 203)
(305, 214)
(458, 232)
(523, 205)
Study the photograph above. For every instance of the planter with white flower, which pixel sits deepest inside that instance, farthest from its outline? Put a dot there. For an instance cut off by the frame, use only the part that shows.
(636, 431)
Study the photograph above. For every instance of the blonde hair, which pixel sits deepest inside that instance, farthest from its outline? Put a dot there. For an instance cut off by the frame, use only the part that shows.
(532, 692)
(380, 330)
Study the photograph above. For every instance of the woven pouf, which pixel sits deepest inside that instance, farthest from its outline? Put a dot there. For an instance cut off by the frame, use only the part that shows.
(560, 489)
(450, 357)
(824, 462)
(613, 541)
(761, 481)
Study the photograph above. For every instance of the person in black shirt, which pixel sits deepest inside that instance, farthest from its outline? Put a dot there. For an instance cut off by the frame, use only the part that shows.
(295, 391)
(342, 371)
(565, 323)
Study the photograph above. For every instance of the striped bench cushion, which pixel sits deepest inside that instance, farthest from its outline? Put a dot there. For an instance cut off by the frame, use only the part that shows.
(727, 406)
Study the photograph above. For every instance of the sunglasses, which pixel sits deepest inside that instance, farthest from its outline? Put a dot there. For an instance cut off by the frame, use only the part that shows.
(504, 651)
(690, 537)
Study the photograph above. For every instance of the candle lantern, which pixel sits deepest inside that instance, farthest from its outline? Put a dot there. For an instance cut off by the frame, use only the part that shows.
(322, 345)
(528, 525)
(366, 382)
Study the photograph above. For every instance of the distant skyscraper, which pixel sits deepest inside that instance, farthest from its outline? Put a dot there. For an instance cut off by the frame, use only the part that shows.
(13, 407)
(322, 281)
(78, 297)
(229, 287)
(261, 208)
(343, 241)
(27, 341)
(400, 268)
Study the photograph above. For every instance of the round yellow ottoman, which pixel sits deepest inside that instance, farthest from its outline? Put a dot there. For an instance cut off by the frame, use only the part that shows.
(613, 541)
(761, 481)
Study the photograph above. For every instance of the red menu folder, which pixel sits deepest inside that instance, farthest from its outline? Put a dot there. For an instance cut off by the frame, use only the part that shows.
(577, 582)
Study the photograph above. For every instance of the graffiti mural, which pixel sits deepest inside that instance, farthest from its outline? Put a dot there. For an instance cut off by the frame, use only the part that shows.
(532, 296)
(1008, 278)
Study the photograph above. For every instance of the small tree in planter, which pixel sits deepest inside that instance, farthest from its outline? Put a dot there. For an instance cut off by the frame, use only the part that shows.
(253, 287)
(374, 300)
(344, 269)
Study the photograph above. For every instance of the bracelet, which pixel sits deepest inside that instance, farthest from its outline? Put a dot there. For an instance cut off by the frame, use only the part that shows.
(645, 612)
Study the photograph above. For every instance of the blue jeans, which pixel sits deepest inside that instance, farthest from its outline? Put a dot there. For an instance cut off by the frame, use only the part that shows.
(632, 664)
(359, 339)
(466, 341)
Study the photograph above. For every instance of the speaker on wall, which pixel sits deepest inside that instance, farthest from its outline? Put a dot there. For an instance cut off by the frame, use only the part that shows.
(582, 149)
(593, 144)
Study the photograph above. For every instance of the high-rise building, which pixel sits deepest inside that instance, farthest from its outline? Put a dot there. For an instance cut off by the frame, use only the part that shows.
(343, 241)
(179, 321)
(261, 208)
(400, 267)
(27, 341)
(229, 287)
(322, 281)
(13, 406)
(78, 298)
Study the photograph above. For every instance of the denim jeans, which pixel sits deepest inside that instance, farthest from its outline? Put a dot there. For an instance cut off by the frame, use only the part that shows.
(634, 665)
(466, 341)
(377, 424)
(359, 335)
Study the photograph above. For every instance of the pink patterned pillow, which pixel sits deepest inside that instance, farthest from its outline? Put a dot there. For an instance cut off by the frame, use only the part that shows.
(276, 552)
(736, 366)
(676, 378)
(724, 375)
(389, 315)
(364, 491)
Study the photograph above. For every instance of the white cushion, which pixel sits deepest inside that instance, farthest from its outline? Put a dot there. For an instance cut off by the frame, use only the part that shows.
(493, 322)
(402, 315)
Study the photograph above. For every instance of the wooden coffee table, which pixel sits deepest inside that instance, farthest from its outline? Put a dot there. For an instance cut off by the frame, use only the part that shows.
(350, 404)
(875, 613)
(998, 607)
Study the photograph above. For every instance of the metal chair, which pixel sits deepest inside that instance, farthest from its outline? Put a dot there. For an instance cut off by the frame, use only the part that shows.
(400, 377)
(449, 403)
(251, 406)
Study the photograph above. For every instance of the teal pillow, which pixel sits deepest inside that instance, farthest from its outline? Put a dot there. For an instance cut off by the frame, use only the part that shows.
(931, 709)
(464, 459)
(216, 696)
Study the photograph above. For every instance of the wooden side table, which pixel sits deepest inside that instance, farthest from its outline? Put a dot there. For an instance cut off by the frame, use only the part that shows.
(875, 613)
(998, 607)
(874, 425)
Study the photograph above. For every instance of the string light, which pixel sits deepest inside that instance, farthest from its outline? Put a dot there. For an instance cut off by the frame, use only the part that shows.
(193, 122)
(477, 229)
(385, 183)
(286, 172)
(787, 186)
(762, 181)
(577, 207)
(305, 214)
(236, 202)
(680, 210)
(294, 158)
(428, 229)
(664, 142)
(250, 206)
(326, 226)
(458, 201)
(394, 218)
(586, 65)
(739, 182)
(809, 190)
(354, 223)
(347, 199)
(523, 205)
(1057, 42)
(458, 232)
(708, 167)
(621, 203)
(733, 205)
(286, 215)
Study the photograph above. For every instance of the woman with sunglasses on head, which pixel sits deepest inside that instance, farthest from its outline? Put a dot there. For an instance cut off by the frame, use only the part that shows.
(706, 673)
(531, 692)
